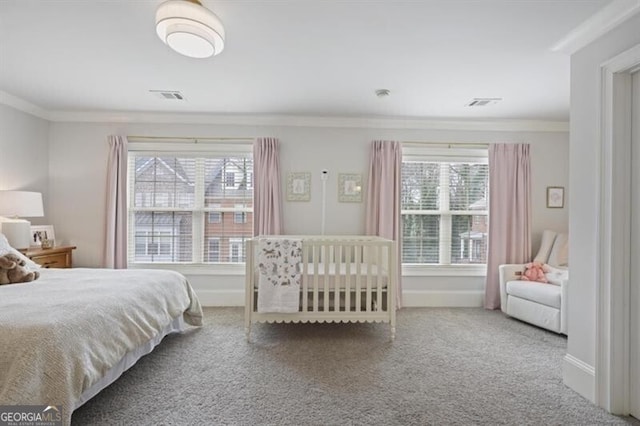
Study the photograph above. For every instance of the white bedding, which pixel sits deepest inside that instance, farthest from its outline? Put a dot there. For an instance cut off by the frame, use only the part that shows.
(62, 333)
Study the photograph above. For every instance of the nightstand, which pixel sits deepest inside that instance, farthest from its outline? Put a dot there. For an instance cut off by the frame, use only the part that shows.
(56, 257)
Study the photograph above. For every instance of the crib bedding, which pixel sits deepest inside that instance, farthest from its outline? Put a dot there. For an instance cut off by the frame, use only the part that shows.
(64, 334)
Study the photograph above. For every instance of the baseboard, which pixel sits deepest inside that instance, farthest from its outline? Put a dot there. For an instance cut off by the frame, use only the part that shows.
(221, 297)
(579, 376)
(443, 299)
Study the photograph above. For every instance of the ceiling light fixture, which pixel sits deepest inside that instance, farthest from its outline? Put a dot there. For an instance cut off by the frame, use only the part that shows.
(189, 28)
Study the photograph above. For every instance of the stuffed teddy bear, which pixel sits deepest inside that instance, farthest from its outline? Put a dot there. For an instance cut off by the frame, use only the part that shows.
(534, 271)
(13, 270)
(5, 266)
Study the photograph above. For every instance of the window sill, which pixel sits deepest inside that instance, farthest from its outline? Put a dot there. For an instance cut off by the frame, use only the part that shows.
(195, 268)
(412, 270)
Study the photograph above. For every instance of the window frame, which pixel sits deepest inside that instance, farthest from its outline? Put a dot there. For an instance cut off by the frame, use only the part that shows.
(199, 150)
(449, 153)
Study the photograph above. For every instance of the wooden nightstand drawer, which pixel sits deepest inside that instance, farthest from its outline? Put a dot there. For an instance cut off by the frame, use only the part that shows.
(57, 257)
(52, 260)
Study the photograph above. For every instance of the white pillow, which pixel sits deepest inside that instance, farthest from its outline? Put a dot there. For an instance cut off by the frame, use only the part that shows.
(548, 237)
(559, 252)
(556, 275)
(6, 248)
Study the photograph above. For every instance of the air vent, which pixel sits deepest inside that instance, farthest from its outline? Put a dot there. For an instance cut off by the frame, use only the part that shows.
(168, 94)
(481, 102)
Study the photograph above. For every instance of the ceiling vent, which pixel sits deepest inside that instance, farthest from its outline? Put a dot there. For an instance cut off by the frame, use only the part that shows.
(481, 102)
(168, 94)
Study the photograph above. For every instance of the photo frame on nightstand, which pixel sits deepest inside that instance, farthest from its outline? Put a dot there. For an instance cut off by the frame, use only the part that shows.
(40, 233)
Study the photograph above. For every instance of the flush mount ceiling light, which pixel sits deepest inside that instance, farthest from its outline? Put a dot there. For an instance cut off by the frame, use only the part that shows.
(189, 28)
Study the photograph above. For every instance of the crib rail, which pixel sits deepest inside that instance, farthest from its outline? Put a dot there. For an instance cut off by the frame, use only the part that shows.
(343, 279)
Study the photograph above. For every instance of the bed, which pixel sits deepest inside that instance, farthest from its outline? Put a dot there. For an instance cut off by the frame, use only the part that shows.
(338, 279)
(72, 332)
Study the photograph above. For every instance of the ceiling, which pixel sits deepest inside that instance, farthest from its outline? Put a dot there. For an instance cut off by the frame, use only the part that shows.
(298, 57)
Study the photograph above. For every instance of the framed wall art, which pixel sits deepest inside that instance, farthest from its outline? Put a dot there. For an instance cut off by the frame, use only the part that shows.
(349, 187)
(299, 186)
(555, 197)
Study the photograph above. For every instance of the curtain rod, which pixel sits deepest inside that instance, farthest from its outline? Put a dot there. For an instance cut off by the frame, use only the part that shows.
(184, 138)
(447, 145)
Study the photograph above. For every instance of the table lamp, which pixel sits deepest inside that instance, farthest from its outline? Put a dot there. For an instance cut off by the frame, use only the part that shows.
(14, 205)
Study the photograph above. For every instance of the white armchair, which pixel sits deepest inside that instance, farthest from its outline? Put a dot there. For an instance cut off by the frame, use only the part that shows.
(541, 304)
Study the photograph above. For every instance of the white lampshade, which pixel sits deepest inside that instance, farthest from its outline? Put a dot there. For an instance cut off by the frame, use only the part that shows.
(16, 204)
(21, 204)
(189, 28)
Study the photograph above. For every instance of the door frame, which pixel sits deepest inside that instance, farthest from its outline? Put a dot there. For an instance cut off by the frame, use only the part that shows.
(612, 369)
(634, 349)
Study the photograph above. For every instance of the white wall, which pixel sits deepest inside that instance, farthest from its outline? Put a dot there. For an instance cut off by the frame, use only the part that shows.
(77, 183)
(584, 181)
(24, 154)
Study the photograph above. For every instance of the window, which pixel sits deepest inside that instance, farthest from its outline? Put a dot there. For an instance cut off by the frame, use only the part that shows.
(230, 180)
(214, 250)
(215, 217)
(444, 206)
(236, 250)
(181, 208)
(151, 245)
(239, 216)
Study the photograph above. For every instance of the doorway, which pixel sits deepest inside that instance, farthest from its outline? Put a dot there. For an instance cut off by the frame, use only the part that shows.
(617, 370)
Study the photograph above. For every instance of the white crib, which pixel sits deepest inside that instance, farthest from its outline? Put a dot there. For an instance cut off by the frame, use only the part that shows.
(344, 279)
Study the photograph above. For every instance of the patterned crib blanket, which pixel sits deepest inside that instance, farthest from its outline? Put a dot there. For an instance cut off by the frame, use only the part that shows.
(279, 262)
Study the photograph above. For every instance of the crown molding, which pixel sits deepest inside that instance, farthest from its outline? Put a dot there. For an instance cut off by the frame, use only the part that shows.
(505, 125)
(597, 25)
(22, 105)
(499, 125)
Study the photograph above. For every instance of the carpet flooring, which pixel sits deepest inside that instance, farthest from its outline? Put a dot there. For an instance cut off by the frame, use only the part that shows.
(446, 367)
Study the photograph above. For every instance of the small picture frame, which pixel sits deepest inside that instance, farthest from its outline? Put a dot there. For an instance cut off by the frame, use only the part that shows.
(299, 186)
(555, 197)
(350, 187)
(40, 234)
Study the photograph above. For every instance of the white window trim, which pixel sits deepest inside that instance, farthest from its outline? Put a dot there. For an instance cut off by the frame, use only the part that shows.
(433, 270)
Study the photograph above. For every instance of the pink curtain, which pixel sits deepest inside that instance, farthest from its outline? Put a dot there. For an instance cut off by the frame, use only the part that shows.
(267, 193)
(509, 213)
(383, 198)
(116, 226)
